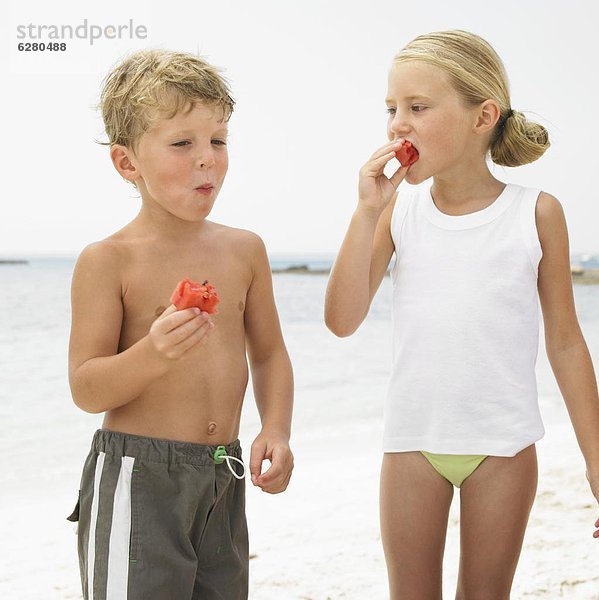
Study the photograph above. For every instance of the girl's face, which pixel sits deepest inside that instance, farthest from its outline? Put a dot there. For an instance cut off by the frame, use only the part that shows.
(426, 110)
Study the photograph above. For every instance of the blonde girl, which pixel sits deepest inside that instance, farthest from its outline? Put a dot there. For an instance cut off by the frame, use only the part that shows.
(473, 257)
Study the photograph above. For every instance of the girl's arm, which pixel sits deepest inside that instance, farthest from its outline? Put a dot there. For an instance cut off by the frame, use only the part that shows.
(367, 247)
(566, 348)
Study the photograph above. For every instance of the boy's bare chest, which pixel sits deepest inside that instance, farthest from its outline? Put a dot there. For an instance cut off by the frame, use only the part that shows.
(151, 275)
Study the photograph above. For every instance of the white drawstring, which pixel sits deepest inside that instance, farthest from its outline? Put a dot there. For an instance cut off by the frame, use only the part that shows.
(220, 455)
(227, 458)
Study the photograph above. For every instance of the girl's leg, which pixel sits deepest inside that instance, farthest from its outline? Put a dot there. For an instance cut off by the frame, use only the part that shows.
(415, 503)
(495, 502)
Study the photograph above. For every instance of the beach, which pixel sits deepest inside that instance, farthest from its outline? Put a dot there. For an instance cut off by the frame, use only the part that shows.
(320, 539)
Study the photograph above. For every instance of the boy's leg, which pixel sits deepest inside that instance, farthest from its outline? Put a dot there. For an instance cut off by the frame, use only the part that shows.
(495, 503)
(415, 502)
(222, 545)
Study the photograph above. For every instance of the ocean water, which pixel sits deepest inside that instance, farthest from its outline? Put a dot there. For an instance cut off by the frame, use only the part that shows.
(339, 390)
(35, 321)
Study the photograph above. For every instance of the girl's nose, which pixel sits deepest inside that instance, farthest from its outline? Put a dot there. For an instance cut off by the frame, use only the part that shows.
(399, 125)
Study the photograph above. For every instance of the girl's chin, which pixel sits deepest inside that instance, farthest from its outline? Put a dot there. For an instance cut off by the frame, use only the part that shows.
(413, 178)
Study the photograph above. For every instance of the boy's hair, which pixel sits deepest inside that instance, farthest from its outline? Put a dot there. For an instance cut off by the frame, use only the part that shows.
(477, 74)
(158, 83)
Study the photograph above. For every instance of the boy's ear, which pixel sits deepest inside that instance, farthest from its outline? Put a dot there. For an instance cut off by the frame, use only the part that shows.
(123, 161)
(488, 115)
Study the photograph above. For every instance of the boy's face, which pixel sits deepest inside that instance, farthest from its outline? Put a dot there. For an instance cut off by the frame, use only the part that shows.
(181, 162)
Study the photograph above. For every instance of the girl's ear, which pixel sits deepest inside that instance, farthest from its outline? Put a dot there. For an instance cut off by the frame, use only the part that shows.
(488, 115)
(124, 162)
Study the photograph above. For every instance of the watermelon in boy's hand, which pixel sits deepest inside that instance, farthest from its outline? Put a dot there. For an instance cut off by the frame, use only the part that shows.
(189, 293)
(407, 155)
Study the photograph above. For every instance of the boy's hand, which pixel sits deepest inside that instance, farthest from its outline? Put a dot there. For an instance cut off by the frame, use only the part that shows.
(276, 449)
(175, 332)
(375, 189)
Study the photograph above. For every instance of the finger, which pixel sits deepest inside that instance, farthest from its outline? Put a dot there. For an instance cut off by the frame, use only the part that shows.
(281, 464)
(256, 458)
(169, 310)
(177, 318)
(271, 474)
(196, 335)
(376, 167)
(398, 176)
(203, 337)
(395, 144)
(278, 486)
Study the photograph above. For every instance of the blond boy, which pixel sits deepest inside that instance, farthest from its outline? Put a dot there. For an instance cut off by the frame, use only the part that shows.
(161, 510)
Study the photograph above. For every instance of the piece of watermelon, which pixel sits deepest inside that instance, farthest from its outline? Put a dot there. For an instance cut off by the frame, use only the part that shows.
(190, 293)
(407, 155)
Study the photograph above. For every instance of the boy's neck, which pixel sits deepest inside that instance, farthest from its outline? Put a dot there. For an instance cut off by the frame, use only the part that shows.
(163, 226)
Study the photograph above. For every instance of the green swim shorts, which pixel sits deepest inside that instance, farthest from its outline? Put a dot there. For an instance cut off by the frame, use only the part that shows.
(160, 519)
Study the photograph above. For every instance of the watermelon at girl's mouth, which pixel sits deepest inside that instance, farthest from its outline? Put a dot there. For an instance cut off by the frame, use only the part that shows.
(407, 155)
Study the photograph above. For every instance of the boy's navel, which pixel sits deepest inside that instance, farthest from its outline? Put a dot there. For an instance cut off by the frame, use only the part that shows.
(211, 428)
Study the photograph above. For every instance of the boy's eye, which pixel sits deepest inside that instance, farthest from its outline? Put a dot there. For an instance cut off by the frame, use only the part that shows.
(391, 111)
(418, 108)
(181, 144)
(219, 142)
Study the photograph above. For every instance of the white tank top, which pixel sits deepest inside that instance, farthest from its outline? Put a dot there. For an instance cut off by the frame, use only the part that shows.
(465, 327)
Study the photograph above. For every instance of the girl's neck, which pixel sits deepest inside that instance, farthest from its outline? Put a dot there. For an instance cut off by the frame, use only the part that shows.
(456, 191)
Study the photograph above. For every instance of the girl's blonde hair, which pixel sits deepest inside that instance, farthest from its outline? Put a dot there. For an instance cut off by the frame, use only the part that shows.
(477, 74)
(152, 83)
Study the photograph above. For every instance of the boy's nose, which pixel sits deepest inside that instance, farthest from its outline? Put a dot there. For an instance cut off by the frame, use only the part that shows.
(205, 161)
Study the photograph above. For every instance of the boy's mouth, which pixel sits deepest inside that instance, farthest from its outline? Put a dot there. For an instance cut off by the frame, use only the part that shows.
(205, 189)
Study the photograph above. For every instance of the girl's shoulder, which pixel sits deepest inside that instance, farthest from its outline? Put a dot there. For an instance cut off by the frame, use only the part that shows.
(550, 220)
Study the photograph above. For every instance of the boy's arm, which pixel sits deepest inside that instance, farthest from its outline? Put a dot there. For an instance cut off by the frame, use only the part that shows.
(100, 377)
(272, 376)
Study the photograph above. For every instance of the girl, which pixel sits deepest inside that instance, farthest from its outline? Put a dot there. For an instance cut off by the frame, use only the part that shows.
(473, 255)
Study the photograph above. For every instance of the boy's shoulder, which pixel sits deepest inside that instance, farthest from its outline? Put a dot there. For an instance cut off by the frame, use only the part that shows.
(243, 241)
(118, 249)
(106, 252)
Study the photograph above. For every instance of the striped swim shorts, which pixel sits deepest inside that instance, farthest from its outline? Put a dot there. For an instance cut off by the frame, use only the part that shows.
(160, 519)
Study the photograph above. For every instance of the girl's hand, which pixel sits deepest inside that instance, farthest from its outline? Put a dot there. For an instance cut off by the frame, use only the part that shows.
(593, 478)
(375, 188)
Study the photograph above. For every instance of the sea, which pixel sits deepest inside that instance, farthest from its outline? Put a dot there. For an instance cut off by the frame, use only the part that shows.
(35, 322)
(339, 390)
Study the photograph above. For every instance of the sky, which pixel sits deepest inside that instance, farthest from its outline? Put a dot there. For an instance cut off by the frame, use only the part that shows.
(309, 79)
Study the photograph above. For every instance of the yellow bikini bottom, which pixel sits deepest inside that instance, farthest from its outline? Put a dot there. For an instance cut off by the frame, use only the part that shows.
(454, 467)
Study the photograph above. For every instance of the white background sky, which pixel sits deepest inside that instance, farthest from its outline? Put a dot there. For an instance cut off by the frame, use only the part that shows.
(310, 79)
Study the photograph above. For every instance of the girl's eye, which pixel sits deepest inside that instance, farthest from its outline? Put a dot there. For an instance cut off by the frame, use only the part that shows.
(181, 144)
(418, 108)
(391, 111)
(219, 142)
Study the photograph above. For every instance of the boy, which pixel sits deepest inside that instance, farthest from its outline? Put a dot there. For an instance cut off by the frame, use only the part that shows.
(160, 514)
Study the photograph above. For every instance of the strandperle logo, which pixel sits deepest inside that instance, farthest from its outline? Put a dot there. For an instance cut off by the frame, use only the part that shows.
(84, 31)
